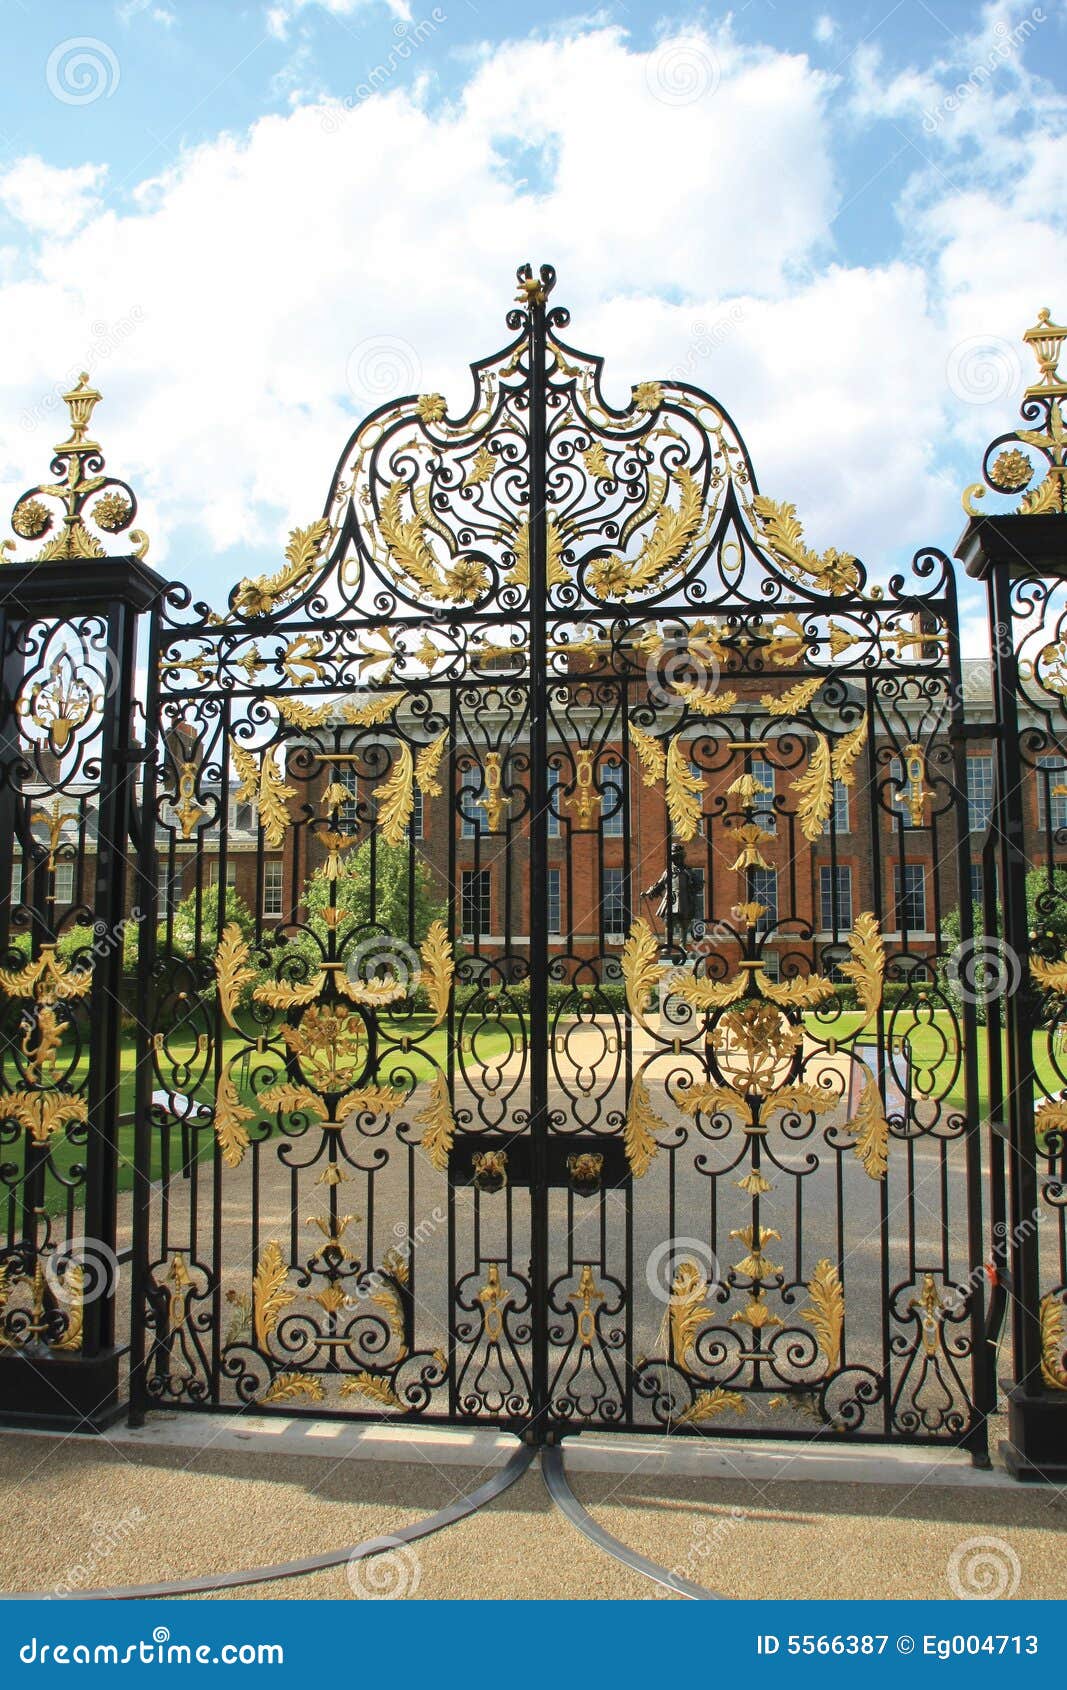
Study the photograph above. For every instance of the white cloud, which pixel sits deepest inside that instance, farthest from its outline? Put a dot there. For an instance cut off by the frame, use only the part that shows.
(825, 28)
(224, 311)
(41, 197)
(279, 16)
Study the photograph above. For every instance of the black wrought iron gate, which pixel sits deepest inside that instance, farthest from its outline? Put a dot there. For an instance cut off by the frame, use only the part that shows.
(552, 891)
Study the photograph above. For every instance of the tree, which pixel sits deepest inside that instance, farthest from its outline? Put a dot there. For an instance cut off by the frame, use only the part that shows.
(186, 932)
(1046, 921)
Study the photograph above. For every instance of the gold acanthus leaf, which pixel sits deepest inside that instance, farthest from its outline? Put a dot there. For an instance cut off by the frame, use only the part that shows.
(370, 712)
(260, 596)
(74, 1295)
(288, 1386)
(651, 755)
(642, 970)
(833, 573)
(388, 1299)
(708, 1099)
(870, 1129)
(374, 994)
(280, 994)
(438, 969)
(815, 790)
(1051, 976)
(427, 764)
(395, 798)
(710, 1403)
(597, 463)
(811, 1100)
(269, 1294)
(519, 573)
(685, 792)
(302, 715)
(847, 750)
(365, 1384)
(686, 1311)
(641, 1123)
(232, 972)
(1053, 1371)
(794, 698)
(800, 992)
(826, 1312)
(230, 1117)
(710, 994)
(411, 553)
(262, 786)
(42, 1113)
(294, 1099)
(368, 1100)
(866, 969)
(1051, 1117)
(438, 1124)
(704, 703)
(665, 549)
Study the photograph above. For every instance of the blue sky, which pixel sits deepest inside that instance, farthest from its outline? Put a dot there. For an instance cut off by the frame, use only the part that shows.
(251, 221)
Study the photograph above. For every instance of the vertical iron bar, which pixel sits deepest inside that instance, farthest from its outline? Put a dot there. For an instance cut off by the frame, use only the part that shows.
(538, 861)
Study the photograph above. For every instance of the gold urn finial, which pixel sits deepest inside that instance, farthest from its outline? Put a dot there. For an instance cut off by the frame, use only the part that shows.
(81, 401)
(74, 516)
(1046, 338)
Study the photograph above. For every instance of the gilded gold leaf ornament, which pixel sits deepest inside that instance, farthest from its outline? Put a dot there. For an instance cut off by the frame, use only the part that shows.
(642, 1123)
(1053, 1342)
(793, 699)
(826, 1312)
(665, 550)
(833, 572)
(687, 1311)
(269, 1294)
(641, 967)
(709, 1099)
(438, 969)
(707, 1405)
(427, 764)
(438, 1123)
(799, 992)
(755, 1264)
(869, 1127)
(866, 967)
(376, 1389)
(685, 792)
(231, 1114)
(262, 785)
(815, 790)
(232, 970)
(287, 1387)
(395, 798)
(705, 703)
(263, 595)
(650, 753)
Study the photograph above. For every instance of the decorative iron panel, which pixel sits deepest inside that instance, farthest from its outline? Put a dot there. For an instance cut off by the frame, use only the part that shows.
(559, 868)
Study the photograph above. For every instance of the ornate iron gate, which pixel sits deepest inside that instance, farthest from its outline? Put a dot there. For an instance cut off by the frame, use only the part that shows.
(552, 1024)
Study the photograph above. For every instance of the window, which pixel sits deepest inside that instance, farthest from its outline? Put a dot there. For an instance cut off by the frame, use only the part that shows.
(763, 889)
(977, 883)
(472, 809)
(272, 889)
(16, 881)
(911, 897)
(835, 897)
(415, 825)
(348, 812)
(231, 873)
(837, 821)
(979, 793)
(554, 801)
(613, 903)
(166, 889)
(242, 817)
(612, 810)
(64, 883)
(554, 921)
(476, 910)
(1052, 793)
(699, 890)
(763, 774)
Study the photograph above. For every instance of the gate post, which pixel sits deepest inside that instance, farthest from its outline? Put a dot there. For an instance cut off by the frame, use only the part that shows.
(69, 624)
(1022, 558)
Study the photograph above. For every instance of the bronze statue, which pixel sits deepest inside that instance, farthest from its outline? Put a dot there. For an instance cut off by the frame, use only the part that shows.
(677, 885)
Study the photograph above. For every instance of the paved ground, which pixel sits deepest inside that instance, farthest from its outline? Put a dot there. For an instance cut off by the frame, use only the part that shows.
(140, 1514)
